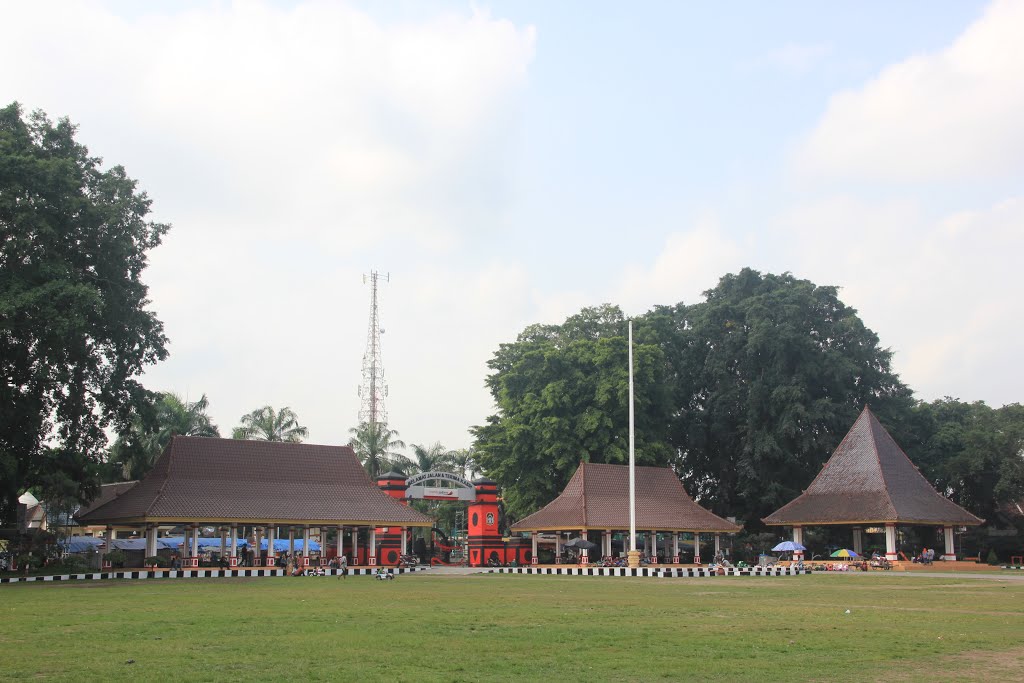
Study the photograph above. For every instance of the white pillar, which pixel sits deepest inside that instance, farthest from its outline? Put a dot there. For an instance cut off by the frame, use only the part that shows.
(257, 561)
(858, 541)
(355, 546)
(798, 538)
(223, 542)
(150, 540)
(271, 537)
(341, 542)
(372, 550)
(558, 547)
(654, 546)
(291, 543)
(108, 545)
(305, 545)
(234, 545)
(533, 554)
(195, 546)
(584, 553)
(950, 554)
(890, 542)
(405, 542)
(718, 544)
(696, 547)
(675, 547)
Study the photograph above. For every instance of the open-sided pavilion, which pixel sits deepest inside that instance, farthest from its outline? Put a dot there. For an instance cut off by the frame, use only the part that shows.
(199, 482)
(870, 482)
(597, 499)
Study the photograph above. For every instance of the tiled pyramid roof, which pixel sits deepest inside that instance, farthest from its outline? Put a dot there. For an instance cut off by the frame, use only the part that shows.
(870, 479)
(200, 479)
(597, 497)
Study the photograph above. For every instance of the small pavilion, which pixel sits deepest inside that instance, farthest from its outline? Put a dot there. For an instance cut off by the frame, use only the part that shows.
(232, 483)
(597, 499)
(870, 481)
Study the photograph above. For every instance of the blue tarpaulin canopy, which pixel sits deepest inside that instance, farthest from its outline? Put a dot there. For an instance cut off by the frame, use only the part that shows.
(81, 544)
(281, 545)
(204, 543)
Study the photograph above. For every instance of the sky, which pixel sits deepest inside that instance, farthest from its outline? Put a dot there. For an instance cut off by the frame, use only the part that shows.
(509, 163)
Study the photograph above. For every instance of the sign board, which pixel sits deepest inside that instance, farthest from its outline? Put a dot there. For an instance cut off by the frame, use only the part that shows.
(438, 476)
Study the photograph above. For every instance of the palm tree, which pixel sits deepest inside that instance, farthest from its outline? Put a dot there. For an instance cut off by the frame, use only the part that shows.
(373, 443)
(430, 458)
(138, 448)
(266, 424)
(464, 461)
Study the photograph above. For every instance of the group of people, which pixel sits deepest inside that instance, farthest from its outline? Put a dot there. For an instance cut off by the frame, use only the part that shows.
(927, 556)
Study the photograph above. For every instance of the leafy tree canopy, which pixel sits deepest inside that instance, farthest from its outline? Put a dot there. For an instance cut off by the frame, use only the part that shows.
(75, 332)
(562, 396)
(267, 424)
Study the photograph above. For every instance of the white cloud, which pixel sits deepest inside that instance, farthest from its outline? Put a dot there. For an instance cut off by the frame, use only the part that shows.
(293, 147)
(689, 263)
(950, 115)
(795, 58)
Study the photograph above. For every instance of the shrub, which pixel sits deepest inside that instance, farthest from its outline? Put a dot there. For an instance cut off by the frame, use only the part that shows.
(992, 557)
(152, 561)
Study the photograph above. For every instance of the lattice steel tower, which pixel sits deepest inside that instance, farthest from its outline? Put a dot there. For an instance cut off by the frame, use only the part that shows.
(373, 389)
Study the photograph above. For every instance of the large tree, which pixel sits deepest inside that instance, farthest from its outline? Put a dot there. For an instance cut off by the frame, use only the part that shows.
(375, 446)
(562, 397)
(768, 374)
(75, 332)
(434, 457)
(267, 424)
(972, 453)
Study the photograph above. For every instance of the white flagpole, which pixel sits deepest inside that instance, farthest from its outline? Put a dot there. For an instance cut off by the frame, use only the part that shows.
(632, 455)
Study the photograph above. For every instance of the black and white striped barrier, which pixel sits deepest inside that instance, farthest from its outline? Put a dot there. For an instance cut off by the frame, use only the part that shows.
(192, 574)
(656, 572)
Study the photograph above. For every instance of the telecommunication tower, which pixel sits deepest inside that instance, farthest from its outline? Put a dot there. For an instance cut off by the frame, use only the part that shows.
(373, 389)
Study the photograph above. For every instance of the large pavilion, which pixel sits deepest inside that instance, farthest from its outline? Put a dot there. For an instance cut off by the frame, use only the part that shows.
(232, 483)
(870, 482)
(597, 499)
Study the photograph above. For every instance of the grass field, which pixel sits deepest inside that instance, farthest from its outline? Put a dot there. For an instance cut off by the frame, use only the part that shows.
(490, 627)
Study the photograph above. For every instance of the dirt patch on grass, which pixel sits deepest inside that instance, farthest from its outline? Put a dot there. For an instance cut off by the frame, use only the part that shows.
(1006, 665)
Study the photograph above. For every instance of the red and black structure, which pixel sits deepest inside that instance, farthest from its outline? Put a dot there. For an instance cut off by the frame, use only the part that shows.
(389, 539)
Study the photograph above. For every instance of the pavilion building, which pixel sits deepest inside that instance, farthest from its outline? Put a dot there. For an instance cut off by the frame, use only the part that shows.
(596, 499)
(870, 482)
(232, 483)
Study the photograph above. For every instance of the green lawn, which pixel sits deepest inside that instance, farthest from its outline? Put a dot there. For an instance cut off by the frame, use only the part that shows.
(491, 627)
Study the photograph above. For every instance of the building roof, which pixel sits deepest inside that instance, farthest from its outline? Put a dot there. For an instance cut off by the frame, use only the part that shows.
(597, 497)
(107, 493)
(255, 482)
(870, 479)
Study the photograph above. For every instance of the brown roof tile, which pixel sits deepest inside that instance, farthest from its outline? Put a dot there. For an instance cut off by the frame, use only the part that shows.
(200, 478)
(870, 479)
(108, 492)
(597, 497)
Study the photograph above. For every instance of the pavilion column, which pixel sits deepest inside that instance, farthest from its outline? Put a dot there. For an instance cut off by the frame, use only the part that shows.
(223, 542)
(696, 547)
(950, 554)
(372, 550)
(355, 545)
(798, 538)
(271, 537)
(533, 553)
(654, 547)
(341, 543)
(234, 545)
(858, 541)
(890, 542)
(675, 547)
(150, 540)
(584, 553)
(605, 545)
(108, 545)
(291, 543)
(718, 544)
(558, 547)
(186, 548)
(305, 545)
(195, 545)
(405, 541)
(258, 538)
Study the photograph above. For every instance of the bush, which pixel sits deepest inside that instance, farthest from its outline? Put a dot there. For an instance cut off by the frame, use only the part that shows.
(152, 561)
(116, 558)
(73, 564)
(992, 559)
